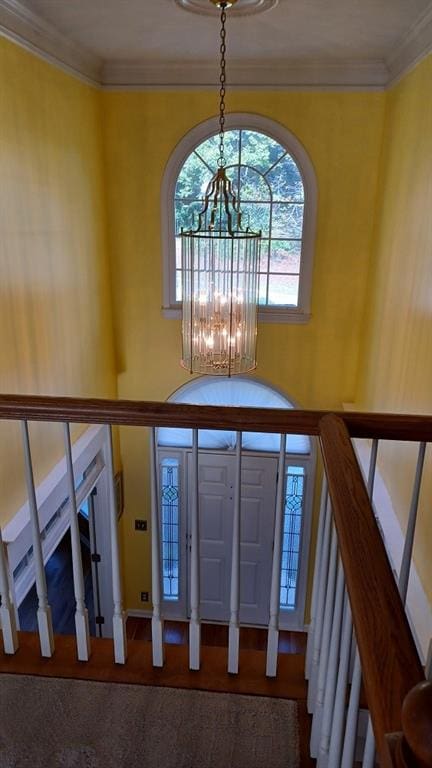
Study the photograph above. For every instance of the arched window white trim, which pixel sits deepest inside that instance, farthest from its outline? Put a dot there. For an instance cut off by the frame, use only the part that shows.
(277, 132)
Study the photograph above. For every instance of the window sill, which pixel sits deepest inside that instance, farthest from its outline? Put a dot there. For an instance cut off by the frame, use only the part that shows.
(276, 315)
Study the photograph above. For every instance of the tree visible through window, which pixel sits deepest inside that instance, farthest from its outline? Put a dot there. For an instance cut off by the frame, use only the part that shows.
(272, 200)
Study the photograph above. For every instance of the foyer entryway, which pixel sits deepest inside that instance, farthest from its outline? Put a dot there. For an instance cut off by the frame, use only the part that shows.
(216, 488)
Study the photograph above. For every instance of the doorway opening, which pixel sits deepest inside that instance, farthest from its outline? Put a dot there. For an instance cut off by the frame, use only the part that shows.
(59, 579)
(216, 478)
(54, 511)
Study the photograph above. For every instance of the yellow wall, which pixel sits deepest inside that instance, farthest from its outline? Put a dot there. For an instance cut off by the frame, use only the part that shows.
(316, 363)
(66, 151)
(396, 370)
(56, 325)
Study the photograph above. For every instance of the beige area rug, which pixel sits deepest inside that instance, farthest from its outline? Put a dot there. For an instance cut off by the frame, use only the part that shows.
(53, 723)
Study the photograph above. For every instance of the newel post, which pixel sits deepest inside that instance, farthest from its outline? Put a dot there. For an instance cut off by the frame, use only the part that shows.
(413, 747)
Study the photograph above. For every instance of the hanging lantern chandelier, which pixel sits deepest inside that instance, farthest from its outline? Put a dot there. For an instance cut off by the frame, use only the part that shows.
(220, 259)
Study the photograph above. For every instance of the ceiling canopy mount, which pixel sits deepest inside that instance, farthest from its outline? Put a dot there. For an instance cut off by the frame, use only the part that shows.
(237, 7)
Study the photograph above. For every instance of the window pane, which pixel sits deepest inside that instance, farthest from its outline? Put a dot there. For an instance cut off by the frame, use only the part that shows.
(262, 296)
(259, 150)
(287, 220)
(285, 181)
(178, 252)
(209, 150)
(170, 528)
(293, 514)
(264, 255)
(193, 178)
(283, 289)
(186, 214)
(285, 256)
(179, 292)
(256, 216)
(253, 186)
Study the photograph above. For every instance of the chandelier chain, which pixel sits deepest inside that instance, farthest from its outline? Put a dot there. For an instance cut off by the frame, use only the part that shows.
(222, 80)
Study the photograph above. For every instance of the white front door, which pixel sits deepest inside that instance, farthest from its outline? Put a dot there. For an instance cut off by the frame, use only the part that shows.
(216, 493)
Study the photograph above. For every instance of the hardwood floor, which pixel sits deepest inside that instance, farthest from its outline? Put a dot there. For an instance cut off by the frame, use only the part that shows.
(251, 638)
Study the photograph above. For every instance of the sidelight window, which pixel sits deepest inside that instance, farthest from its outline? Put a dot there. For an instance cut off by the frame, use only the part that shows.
(170, 498)
(293, 517)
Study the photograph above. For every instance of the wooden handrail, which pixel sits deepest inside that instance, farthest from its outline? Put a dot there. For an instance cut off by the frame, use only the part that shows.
(162, 414)
(390, 663)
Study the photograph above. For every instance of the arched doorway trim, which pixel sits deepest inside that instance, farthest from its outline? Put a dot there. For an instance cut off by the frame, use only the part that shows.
(240, 391)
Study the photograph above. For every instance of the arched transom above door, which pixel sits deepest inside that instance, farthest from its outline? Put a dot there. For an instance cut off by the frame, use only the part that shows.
(240, 391)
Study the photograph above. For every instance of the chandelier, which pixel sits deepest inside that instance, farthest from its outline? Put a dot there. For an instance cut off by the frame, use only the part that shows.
(220, 260)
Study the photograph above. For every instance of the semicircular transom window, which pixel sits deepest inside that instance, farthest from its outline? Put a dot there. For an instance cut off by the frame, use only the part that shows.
(272, 198)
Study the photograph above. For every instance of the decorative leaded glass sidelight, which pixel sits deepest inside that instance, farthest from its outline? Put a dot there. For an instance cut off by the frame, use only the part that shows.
(170, 507)
(220, 286)
(291, 546)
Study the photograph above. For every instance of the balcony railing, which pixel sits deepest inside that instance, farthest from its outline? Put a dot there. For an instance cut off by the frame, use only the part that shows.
(359, 631)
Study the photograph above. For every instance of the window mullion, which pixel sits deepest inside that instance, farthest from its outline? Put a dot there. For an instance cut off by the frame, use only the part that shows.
(269, 245)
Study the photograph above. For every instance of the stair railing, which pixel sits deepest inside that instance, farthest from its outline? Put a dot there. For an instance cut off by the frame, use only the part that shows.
(360, 635)
(359, 630)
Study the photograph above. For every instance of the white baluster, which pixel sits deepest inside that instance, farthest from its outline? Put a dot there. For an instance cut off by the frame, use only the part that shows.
(7, 609)
(157, 621)
(195, 623)
(369, 748)
(317, 574)
(350, 738)
(325, 647)
(428, 665)
(273, 628)
(412, 519)
(44, 619)
(335, 751)
(234, 626)
(81, 613)
(319, 621)
(372, 468)
(119, 618)
(332, 671)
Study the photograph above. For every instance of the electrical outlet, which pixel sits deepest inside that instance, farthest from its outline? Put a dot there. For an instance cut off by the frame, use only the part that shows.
(140, 525)
(144, 597)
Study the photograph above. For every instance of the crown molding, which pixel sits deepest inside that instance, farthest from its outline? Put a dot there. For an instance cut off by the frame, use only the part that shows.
(278, 74)
(36, 35)
(33, 33)
(411, 49)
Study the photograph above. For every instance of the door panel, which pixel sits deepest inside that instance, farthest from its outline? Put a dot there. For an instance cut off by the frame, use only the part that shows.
(215, 524)
(212, 582)
(216, 507)
(257, 528)
(249, 578)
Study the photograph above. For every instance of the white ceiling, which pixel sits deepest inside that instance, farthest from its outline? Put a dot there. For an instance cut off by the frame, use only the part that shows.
(327, 42)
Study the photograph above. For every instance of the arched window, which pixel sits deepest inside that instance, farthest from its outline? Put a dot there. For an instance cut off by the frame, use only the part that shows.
(277, 190)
